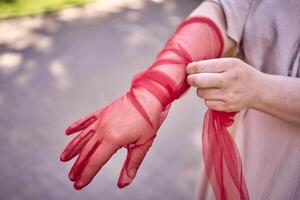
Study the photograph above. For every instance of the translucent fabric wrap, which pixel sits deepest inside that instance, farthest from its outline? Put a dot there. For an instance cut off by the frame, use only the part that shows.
(145, 106)
(221, 157)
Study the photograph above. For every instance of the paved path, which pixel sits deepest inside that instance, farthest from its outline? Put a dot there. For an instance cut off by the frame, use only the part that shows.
(59, 67)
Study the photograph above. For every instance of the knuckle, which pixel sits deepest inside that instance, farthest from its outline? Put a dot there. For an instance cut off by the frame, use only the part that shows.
(230, 98)
(221, 81)
(235, 77)
(236, 73)
(234, 61)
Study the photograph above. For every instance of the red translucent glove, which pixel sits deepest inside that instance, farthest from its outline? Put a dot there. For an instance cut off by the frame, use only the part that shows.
(104, 132)
(132, 120)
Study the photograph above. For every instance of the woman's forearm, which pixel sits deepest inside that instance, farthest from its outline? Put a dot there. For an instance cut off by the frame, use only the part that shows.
(231, 85)
(280, 97)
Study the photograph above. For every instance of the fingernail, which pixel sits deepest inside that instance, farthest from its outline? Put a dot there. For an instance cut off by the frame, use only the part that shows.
(122, 185)
(78, 186)
(68, 131)
(124, 181)
(192, 63)
(71, 176)
(62, 157)
(188, 68)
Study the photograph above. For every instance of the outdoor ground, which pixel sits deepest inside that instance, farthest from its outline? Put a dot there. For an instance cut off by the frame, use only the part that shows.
(56, 68)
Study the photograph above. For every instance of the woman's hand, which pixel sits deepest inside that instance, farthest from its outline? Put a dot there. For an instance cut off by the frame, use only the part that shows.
(105, 131)
(226, 84)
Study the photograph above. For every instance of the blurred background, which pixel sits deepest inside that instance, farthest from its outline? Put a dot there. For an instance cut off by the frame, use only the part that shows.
(62, 59)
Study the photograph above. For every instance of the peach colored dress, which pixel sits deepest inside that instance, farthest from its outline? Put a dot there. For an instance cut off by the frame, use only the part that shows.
(268, 33)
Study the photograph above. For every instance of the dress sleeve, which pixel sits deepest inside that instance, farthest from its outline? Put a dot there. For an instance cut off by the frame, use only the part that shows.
(236, 13)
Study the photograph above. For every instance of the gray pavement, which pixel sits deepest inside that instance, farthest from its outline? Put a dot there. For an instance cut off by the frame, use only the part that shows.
(56, 68)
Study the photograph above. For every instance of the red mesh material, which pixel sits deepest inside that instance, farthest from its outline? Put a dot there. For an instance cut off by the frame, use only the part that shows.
(133, 120)
(221, 157)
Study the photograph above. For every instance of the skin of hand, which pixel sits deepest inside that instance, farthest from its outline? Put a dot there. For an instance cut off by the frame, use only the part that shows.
(226, 84)
(103, 133)
(229, 84)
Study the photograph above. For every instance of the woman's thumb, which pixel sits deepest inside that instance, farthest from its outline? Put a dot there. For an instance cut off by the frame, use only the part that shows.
(135, 157)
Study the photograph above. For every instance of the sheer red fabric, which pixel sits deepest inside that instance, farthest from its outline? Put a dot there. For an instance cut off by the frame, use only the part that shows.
(222, 160)
(133, 120)
(221, 156)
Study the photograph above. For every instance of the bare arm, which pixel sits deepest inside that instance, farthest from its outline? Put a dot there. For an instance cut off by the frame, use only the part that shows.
(280, 97)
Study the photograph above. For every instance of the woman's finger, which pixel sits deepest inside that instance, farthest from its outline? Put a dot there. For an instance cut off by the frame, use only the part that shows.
(134, 159)
(102, 153)
(82, 123)
(76, 145)
(210, 94)
(206, 80)
(216, 105)
(83, 158)
(207, 66)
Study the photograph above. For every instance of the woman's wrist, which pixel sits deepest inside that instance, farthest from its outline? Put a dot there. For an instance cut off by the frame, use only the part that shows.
(262, 82)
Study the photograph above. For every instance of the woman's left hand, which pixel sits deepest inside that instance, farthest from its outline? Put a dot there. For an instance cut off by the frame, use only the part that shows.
(226, 84)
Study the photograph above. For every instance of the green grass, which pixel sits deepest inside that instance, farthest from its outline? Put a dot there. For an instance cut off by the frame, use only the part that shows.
(17, 8)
